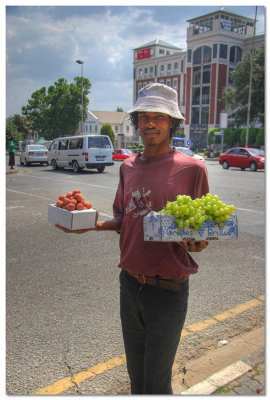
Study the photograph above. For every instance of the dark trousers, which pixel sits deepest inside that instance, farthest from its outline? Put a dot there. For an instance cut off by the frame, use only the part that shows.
(11, 159)
(152, 320)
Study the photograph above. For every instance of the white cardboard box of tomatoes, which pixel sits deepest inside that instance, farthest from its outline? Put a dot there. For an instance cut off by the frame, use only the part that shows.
(73, 220)
(72, 211)
(163, 228)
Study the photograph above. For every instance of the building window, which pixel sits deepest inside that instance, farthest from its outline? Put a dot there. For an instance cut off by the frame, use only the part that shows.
(140, 73)
(197, 75)
(230, 79)
(223, 50)
(195, 115)
(189, 55)
(176, 68)
(90, 128)
(235, 54)
(182, 65)
(206, 95)
(95, 128)
(175, 84)
(207, 52)
(162, 70)
(215, 50)
(197, 56)
(145, 72)
(116, 128)
(206, 73)
(168, 82)
(86, 128)
(151, 71)
(169, 69)
(196, 95)
(161, 51)
(205, 115)
(161, 81)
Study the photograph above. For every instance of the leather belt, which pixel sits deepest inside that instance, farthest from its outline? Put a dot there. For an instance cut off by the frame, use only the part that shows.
(170, 284)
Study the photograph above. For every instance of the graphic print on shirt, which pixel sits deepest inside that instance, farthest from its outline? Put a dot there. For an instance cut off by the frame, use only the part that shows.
(137, 203)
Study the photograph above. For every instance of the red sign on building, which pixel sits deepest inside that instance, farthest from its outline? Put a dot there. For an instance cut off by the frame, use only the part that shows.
(143, 53)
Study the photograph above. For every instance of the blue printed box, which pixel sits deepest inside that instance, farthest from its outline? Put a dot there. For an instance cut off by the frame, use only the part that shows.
(163, 227)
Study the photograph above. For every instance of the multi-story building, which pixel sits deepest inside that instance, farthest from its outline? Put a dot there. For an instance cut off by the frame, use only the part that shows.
(216, 42)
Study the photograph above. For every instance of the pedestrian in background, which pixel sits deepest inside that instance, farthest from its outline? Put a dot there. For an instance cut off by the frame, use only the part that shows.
(11, 151)
(154, 277)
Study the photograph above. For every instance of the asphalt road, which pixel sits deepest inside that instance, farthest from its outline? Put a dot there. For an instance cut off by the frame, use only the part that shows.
(62, 290)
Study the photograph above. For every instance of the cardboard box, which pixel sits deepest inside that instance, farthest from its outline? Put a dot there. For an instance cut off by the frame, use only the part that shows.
(163, 227)
(77, 219)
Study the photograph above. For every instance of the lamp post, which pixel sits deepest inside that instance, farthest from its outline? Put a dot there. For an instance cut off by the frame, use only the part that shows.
(81, 63)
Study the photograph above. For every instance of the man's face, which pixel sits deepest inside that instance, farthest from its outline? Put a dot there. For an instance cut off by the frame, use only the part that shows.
(154, 128)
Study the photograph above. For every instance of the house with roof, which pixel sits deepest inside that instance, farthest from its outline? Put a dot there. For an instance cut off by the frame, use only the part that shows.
(119, 121)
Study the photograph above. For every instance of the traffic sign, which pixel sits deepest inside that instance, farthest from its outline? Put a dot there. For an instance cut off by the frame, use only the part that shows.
(188, 142)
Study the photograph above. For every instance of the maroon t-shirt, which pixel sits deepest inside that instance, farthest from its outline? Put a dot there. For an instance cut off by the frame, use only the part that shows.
(144, 186)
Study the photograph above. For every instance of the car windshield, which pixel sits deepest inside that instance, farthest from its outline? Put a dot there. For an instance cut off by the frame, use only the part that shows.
(256, 152)
(126, 151)
(185, 150)
(37, 147)
(98, 142)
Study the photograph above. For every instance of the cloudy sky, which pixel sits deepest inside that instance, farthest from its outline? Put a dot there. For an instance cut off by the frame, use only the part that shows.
(43, 42)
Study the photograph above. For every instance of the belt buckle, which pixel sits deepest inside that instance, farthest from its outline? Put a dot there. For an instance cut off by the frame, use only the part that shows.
(141, 279)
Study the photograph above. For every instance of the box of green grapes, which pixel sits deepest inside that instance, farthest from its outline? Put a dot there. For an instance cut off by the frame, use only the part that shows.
(204, 218)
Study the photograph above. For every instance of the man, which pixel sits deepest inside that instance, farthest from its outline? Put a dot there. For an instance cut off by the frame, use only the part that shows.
(154, 276)
(11, 150)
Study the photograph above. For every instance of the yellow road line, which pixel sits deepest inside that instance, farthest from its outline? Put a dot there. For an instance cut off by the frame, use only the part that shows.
(66, 383)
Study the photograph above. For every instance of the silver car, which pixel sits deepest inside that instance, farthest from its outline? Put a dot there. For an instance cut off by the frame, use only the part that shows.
(190, 153)
(34, 153)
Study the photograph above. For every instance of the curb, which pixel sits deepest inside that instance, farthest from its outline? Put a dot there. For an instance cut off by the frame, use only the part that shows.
(222, 366)
(221, 378)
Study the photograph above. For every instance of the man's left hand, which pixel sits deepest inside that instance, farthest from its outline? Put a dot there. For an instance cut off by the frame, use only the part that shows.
(193, 246)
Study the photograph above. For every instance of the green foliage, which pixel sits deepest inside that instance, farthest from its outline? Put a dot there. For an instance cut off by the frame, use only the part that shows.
(57, 111)
(236, 98)
(228, 136)
(260, 137)
(12, 131)
(252, 134)
(106, 129)
(119, 109)
(211, 138)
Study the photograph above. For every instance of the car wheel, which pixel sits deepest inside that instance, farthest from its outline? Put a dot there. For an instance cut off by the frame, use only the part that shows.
(225, 164)
(253, 167)
(54, 164)
(243, 169)
(27, 163)
(75, 166)
(101, 168)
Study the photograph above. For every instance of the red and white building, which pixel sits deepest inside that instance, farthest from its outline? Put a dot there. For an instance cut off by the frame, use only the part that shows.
(216, 42)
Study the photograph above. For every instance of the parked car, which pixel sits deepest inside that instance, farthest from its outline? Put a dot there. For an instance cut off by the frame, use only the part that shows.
(190, 153)
(78, 152)
(34, 154)
(242, 157)
(121, 154)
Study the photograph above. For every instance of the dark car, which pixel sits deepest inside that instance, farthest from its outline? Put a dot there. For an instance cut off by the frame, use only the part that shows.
(121, 154)
(243, 157)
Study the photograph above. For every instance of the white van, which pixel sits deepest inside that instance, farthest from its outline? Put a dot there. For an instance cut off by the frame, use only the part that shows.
(78, 152)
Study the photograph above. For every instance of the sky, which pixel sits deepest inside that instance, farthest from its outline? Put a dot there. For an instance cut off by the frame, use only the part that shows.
(43, 42)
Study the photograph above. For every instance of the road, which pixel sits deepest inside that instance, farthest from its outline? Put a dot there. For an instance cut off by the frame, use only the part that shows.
(62, 290)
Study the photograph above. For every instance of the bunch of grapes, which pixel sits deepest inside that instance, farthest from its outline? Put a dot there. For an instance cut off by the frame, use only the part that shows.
(192, 213)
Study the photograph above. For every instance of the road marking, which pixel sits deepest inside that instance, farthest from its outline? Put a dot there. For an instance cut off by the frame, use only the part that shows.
(69, 181)
(247, 209)
(28, 194)
(68, 382)
(12, 207)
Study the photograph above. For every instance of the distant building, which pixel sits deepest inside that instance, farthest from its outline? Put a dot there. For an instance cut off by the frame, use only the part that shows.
(216, 42)
(119, 121)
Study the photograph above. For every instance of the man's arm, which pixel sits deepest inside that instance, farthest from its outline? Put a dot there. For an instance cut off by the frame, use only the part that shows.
(109, 225)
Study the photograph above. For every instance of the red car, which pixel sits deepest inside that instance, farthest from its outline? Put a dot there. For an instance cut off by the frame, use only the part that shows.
(121, 154)
(243, 157)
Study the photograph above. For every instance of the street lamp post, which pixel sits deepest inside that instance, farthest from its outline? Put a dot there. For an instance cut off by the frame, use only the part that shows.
(81, 63)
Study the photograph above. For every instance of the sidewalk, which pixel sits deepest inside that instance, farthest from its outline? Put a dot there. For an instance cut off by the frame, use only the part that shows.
(237, 368)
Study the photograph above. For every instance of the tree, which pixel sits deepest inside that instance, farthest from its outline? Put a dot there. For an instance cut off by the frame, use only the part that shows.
(212, 138)
(57, 111)
(119, 109)
(228, 136)
(236, 97)
(106, 129)
(260, 137)
(12, 131)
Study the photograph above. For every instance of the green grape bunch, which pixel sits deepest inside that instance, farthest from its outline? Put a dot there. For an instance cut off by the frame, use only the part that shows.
(193, 213)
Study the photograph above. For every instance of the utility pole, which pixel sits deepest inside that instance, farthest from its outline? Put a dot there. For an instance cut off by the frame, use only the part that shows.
(81, 63)
(250, 79)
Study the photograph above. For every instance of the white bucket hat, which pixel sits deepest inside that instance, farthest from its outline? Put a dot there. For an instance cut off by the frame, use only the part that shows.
(156, 97)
